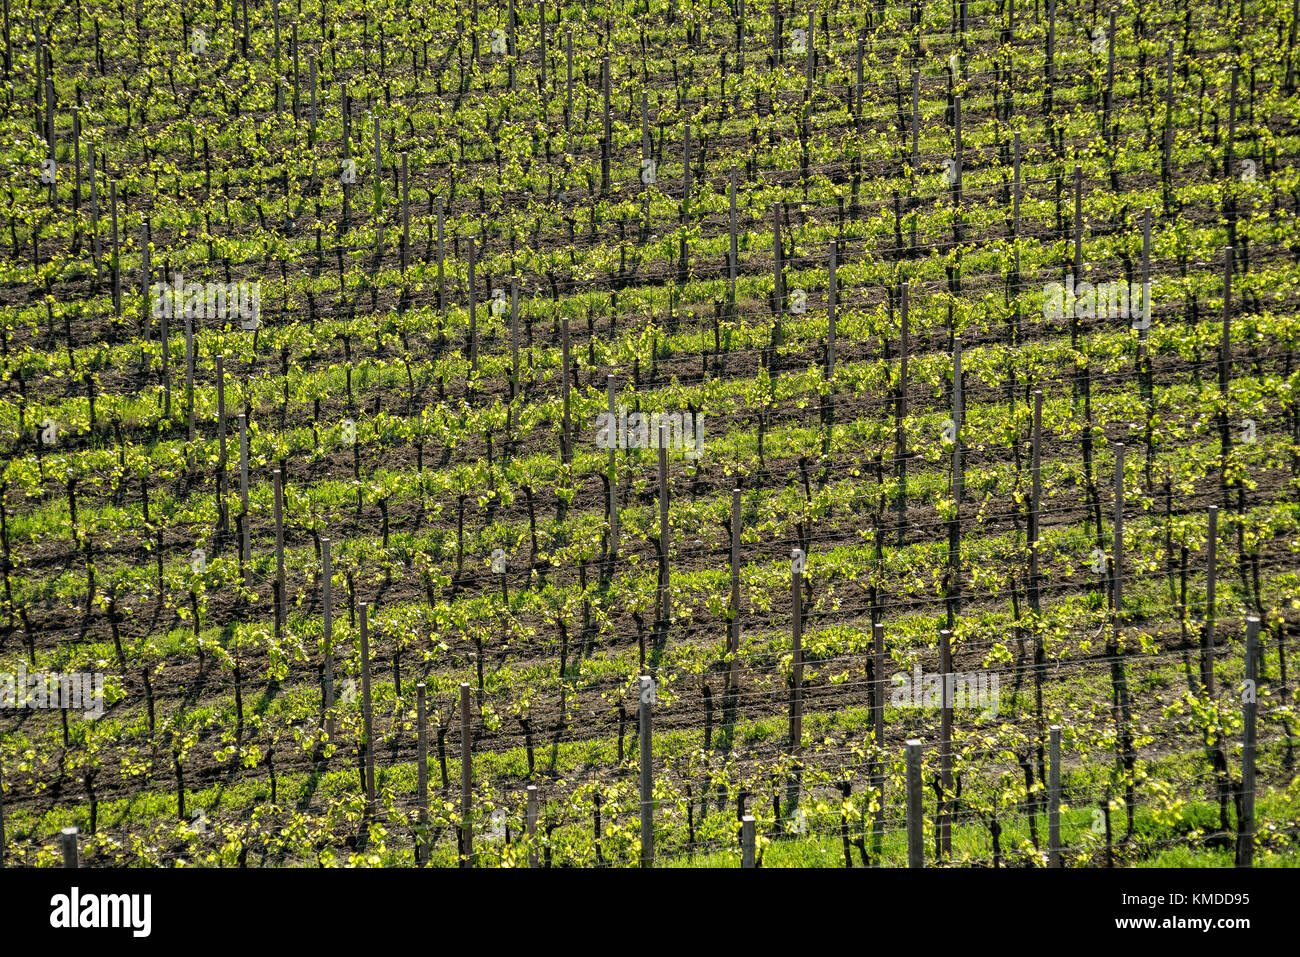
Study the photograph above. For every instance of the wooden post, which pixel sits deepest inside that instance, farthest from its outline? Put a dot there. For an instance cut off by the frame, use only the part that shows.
(530, 816)
(421, 776)
(281, 601)
(747, 841)
(878, 720)
(1211, 576)
(466, 780)
(613, 474)
(796, 645)
(1246, 827)
(367, 714)
(1054, 798)
(246, 554)
(327, 627)
(945, 741)
(733, 629)
(665, 535)
(68, 840)
(915, 840)
(647, 780)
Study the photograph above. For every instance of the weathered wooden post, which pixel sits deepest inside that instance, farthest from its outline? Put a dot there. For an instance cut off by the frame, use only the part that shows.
(747, 840)
(879, 684)
(466, 780)
(915, 838)
(797, 559)
(647, 686)
(615, 436)
(422, 776)
(68, 841)
(945, 742)
(1249, 707)
(1054, 798)
(530, 816)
